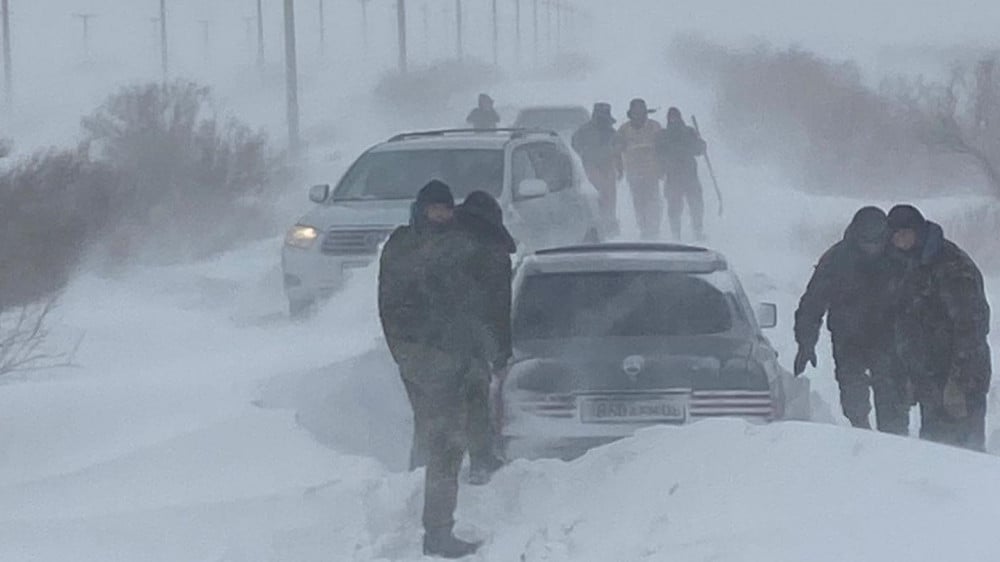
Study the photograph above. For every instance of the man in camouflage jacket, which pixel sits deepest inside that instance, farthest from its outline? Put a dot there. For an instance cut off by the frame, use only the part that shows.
(942, 320)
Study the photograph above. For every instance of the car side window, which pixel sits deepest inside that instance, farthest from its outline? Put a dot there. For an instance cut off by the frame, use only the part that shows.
(522, 167)
(553, 166)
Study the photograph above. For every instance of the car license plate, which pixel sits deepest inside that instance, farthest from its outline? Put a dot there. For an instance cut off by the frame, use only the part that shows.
(624, 410)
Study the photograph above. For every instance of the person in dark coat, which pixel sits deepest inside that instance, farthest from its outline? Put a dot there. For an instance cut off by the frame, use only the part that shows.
(942, 323)
(484, 116)
(679, 146)
(594, 142)
(430, 307)
(852, 286)
(481, 216)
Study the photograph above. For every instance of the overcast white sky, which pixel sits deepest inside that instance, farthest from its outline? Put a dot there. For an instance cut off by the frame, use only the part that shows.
(48, 50)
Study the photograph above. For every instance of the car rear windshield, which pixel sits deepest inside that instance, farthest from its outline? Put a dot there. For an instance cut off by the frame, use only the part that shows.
(399, 174)
(570, 305)
(556, 119)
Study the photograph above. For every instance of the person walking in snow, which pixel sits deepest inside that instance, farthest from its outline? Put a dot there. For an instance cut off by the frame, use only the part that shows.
(594, 142)
(852, 286)
(480, 215)
(679, 147)
(942, 322)
(430, 305)
(483, 116)
(635, 142)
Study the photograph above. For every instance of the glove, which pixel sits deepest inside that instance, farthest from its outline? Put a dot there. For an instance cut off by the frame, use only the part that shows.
(805, 355)
(954, 400)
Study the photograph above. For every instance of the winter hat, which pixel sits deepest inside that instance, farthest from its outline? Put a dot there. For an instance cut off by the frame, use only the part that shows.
(603, 110)
(436, 192)
(869, 225)
(485, 98)
(906, 216)
(674, 114)
(483, 205)
(637, 107)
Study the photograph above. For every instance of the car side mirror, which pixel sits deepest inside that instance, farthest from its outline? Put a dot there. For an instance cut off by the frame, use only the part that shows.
(532, 189)
(319, 193)
(767, 315)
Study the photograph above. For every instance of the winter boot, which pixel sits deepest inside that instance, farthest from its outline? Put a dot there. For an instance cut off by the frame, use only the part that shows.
(446, 545)
(861, 423)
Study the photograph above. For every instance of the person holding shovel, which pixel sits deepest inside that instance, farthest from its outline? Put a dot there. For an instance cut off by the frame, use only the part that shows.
(678, 147)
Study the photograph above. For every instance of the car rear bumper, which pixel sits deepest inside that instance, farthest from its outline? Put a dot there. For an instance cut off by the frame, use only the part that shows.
(559, 431)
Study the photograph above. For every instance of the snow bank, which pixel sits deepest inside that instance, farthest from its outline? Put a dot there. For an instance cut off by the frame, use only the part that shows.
(716, 490)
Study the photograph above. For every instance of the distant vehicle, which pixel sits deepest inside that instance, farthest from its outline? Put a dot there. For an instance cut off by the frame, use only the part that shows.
(563, 119)
(532, 174)
(609, 338)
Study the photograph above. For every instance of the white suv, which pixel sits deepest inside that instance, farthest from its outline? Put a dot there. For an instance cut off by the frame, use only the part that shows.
(531, 173)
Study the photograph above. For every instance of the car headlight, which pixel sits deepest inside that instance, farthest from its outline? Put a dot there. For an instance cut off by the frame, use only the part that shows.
(301, 236)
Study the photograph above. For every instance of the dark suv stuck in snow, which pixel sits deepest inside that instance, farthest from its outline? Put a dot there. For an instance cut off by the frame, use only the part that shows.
(609, 338)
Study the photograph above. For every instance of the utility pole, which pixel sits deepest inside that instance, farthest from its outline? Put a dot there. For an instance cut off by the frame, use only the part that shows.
(534, 19)
(364, 25)
(559, 18)
(206, 42)
(517, 31)
(322, 30)
(8, 71)
(163, 40)
(458, 26)
(401, 33)
(496, 36)
(260, 36)
(85, 20)
(548, 25)
(291, 81)
(425, 12)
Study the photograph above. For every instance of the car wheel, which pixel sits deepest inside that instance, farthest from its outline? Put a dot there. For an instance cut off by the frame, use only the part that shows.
(301, 308)
(592, 237)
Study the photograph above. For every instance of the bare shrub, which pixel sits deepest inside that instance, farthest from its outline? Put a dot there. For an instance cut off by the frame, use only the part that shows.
(192, 181)
(53, 204)
(25, 344)
(820, 120)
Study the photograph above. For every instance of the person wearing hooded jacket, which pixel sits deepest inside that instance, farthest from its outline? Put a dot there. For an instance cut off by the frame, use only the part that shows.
(635, 142)
(679, 146)
(431, 319)
(942, 322)
(483, 116)
(851, 286)
(594, 143)
(481, 216)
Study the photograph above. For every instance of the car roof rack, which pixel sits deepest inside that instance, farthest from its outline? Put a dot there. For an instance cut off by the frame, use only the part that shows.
(515, 133)
(623, 247)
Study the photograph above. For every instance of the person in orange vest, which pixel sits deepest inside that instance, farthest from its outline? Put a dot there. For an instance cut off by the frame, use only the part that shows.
(636, 143)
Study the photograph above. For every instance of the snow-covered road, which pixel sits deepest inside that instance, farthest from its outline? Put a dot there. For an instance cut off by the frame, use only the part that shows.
(202, 425)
